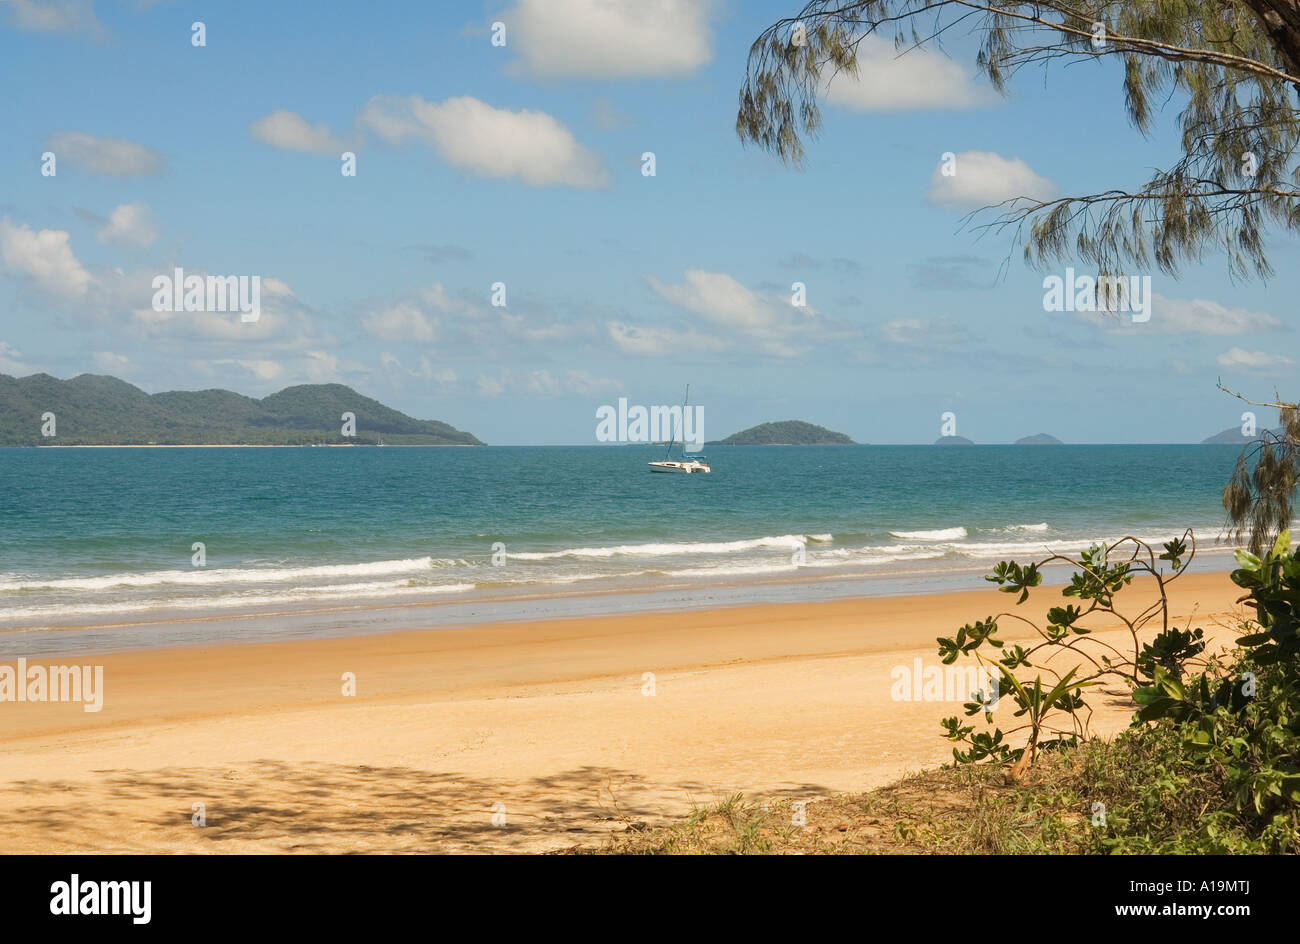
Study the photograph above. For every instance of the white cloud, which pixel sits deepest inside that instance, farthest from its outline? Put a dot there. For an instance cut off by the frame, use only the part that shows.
(401, 322)
(11, 360)
(544, 383)
(45, 257)
(719, 298)
(322, 366)
(518, 326)
(584, 384)
(290, 131)
(54, 16)
(983, 179)
(114, 157)
(727, 316)
(274, 286)
(304, 366)
(465, 325)
(532, 384)
(1202, 316)
(286, 323)
(610, 38)
(768, 318)
(116, 306)
(415, 318)
(1188, 316)
(308, 366)
(631, 339)
(445, 377)
(435, 296)
(130, 224)
(493, 142)
(889, 79)
(112, 363)
(389, 360)
(1253, 360)
(262, 369)
(924, 332)
(655, 342)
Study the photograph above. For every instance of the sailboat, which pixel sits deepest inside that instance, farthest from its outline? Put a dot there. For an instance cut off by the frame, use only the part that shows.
(689, 464)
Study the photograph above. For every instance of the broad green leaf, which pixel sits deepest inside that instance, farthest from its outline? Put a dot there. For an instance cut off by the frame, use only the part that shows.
(1246, 559)
(1283, 543)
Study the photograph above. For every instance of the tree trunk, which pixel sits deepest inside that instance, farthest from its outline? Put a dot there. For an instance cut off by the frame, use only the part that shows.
(1280, 20)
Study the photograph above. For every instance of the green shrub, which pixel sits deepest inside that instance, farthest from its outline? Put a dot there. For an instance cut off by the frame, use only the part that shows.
(1051, 703)
(1240, 717)
(1211, 763)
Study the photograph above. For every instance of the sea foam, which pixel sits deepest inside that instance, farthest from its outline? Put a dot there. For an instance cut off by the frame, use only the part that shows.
(943, 534)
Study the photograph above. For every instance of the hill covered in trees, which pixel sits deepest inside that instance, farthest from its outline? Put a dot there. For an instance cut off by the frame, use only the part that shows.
(99, 411)
(785, 433)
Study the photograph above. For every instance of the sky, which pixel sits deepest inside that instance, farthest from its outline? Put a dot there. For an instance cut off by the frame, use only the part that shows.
(523, 164)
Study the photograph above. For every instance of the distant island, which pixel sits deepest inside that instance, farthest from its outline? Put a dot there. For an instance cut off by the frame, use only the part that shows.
(92, 410)
(953, 441)
(785, 433)
(1039, 439)
(1233, 436)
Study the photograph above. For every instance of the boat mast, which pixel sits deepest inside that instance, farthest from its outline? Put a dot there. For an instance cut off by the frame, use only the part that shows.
(685, 401)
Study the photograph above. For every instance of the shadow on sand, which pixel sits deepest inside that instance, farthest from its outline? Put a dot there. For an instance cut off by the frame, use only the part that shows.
(271, 806)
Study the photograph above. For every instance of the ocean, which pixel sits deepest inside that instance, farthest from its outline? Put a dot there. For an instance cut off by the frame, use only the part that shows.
(107, 537)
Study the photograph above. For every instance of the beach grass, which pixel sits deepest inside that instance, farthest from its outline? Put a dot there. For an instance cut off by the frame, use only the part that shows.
(1127, 795)
(949, 810)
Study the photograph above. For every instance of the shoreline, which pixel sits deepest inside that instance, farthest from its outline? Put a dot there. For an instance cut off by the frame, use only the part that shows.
(369, 616)
(550, 718)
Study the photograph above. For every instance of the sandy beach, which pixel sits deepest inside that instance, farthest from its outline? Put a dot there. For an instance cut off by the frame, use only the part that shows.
(546, 727)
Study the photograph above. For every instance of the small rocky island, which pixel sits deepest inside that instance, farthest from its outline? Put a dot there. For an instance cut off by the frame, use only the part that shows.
(1039, 439)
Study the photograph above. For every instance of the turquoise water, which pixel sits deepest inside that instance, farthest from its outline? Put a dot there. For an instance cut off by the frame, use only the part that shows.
(94, 535)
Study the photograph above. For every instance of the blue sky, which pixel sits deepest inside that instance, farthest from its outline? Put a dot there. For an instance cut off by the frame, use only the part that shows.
(521, 164)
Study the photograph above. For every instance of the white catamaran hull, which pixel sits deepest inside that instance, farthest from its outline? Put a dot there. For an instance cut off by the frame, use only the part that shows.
(689, 465)
(686, 468)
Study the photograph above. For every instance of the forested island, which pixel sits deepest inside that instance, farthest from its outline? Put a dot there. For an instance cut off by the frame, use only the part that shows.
(785, 433)
(93, 410)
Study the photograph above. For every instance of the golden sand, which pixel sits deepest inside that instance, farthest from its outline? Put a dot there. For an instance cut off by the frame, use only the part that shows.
(544, 727)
